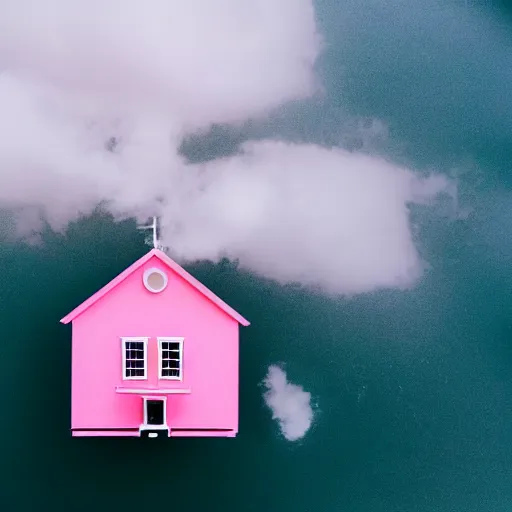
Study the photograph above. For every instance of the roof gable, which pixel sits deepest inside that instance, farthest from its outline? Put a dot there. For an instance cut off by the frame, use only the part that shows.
(173, 266)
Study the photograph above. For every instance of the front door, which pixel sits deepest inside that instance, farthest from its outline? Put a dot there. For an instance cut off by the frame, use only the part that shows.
(154, 414)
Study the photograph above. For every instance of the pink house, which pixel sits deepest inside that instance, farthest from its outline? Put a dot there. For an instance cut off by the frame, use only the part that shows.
(154, 353)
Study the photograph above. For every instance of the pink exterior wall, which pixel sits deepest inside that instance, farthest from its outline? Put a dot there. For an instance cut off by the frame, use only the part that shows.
(210, 356)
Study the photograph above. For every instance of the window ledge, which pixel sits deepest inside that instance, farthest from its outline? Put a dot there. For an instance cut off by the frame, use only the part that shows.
(153, 391)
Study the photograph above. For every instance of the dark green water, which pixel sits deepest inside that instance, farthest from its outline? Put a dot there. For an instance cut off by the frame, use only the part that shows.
(413, 389)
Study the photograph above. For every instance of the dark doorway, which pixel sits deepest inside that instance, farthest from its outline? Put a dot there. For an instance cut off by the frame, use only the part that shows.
(155, 412)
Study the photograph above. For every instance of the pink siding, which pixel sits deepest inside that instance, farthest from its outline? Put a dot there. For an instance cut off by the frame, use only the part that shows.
(118, 433)
(198, 433)
(210, 356)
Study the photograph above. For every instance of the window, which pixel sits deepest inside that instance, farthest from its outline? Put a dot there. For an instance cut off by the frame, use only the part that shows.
(155, 280)
(170, 358)
(135, 360)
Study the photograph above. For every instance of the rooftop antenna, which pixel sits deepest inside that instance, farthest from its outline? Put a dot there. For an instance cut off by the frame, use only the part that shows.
(154, 227)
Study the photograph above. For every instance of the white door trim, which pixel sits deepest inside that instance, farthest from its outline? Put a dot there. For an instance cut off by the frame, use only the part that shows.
(145, 412)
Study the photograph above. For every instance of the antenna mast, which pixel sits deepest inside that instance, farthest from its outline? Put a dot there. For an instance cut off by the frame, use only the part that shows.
(154, 227)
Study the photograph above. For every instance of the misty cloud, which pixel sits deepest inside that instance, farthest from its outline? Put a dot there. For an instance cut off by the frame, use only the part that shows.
(290, 404)
(77, 76)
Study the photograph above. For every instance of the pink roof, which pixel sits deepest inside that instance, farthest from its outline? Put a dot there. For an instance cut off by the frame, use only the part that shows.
(172, 265)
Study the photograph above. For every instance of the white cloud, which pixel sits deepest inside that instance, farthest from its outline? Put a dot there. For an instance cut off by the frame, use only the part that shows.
(303, 213)
(290, 404)
(76, 73)
(197, 61)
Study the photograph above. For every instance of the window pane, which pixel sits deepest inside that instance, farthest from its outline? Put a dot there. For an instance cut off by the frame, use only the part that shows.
(134, 359)
(170, 359)
(133, 353)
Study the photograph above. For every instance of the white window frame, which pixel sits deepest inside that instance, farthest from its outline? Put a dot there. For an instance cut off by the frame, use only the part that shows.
(144, 340)
(170, 339)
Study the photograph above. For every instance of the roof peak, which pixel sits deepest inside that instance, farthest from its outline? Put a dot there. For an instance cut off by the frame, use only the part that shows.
(169, 262)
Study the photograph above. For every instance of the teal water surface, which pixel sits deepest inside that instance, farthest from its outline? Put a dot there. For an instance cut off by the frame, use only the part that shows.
(412, 390)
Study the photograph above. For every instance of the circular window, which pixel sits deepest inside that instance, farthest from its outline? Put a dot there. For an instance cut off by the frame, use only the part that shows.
(155, 280)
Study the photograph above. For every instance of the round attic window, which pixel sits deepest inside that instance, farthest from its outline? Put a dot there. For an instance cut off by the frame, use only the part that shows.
(155, 280)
